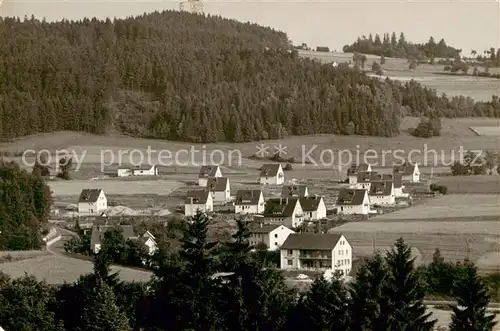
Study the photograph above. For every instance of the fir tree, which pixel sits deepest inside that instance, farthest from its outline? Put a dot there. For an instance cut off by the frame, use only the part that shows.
(472, 301)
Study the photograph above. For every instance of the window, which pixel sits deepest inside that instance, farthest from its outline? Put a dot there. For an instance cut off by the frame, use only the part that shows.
(275, 235)
(275, 244)
(289, 252)
(290, 262)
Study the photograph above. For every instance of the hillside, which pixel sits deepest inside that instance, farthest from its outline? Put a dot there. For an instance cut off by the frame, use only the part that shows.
(185, 77)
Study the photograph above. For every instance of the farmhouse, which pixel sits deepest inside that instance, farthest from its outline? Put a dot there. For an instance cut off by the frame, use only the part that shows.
(272, 174)
(354, 169)
(382, 193)
(219, 189)
(327, 251)
(314, 208)
(206, 172)
(98, 232)
(409, 172)
(284, 211)
(294, 191)
(92, 202)
(272, 235)
(365, 178)
(249, 202)
(198, 200)
(353, 202)
(140, 170)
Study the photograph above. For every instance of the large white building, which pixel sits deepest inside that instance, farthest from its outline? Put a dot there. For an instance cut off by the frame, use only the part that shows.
(249, 202)
(206, 172)
(272, 235)
(198, 200)
(92, 202)
(326, 251)
(382, 193)
(353, 202)
(219, 188)
(272, 174)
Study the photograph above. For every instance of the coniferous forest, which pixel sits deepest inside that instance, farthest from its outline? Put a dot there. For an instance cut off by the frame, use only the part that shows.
(186, 77)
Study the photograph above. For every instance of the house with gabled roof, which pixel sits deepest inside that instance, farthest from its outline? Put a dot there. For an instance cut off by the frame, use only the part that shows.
(249, 202)
(138, 170)
(409, 172)
(92, 202)
(198, 200)
(398, 186)
(314, 208)
(286, 211)
(318, 251)
(271, 235)
(354, 169)
(219, 189)
(294, 191)
(353, 202)
(206, 172)
(98, 232)
(365, 178)
(149, 242)
(272, 174)
(382, 193)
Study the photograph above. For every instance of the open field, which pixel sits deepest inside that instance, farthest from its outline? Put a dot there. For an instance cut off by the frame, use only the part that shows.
(471, 184)
(454, 205)
(57, 269)
(432, 76)
(486, 130)
(444, 318)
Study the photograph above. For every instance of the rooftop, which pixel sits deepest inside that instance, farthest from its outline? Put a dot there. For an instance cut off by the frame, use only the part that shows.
(311, 241)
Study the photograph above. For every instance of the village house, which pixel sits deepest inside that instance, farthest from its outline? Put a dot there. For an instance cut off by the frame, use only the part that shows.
(284, 211)
(354, 169)
(198, 200)
(398, 187)
(319, 251)
(353, 202)
(98, 235)
(219, 189)
(382, 193)
(206, 172)
(272, 174)
(92, 202)
(314, 208)
(149, 241)
(409, 172)
(140, 170)
(272, 235)
(365, 178)
(294, 191)
(249, 202)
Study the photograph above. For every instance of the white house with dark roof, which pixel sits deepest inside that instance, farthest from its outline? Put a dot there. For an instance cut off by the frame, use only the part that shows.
(92, 202)
(382, 193)
(98, 232)
(272, 235)
(198, 200)
(140, 170)
(272, 174)
(206, 172)
(149, 242)
(325, 251)
(314, 208)
(365, 178)
(294, 191)
(249, 202)
(286, 211)
(409, 172)
(354, 169)
(353, 202)
(219, 189)
(398, 187)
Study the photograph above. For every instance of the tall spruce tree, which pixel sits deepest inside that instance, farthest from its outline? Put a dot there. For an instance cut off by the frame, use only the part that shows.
(405, 292)
(472, 301)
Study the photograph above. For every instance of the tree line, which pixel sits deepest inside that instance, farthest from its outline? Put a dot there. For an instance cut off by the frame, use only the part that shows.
(223, 286)
(178, 76)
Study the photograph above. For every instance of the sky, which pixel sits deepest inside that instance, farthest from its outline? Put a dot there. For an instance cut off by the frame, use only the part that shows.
(465, 24)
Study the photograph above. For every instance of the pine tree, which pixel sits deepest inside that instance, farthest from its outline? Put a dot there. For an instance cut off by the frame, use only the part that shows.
(472, 301)
(101, 312)
(405, 292)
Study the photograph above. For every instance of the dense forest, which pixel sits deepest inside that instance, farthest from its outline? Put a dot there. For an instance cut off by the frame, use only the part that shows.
(392, 46)
(179, 76)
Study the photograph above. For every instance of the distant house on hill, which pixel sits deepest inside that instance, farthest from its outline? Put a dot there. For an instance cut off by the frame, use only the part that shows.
(272, 235)
(219, 188)
(353, 202)
(272, 174)
(409, 172)
(314, 208)
(92, 202)
(206, 172)
(249, 202)
(284, 211)
(294, 191)
(354, 169)
(98, 232)
(198, 200)
(382, 193)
